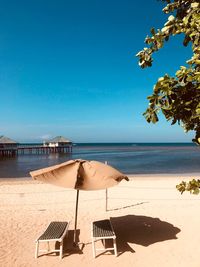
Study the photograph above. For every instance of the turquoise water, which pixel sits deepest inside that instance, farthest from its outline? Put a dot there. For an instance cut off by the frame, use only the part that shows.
(129, 158)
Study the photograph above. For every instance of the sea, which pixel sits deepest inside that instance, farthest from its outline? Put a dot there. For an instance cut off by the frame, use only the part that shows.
(129, 158)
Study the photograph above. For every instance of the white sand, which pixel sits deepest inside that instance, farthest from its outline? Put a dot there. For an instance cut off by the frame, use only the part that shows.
(155, 225)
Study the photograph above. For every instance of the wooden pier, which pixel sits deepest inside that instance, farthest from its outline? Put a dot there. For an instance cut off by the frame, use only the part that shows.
(34, 149)
(8, 152)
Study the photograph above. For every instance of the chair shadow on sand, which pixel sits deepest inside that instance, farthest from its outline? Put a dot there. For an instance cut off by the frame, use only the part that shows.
(134, 229)
(141, 230)
(68, 246)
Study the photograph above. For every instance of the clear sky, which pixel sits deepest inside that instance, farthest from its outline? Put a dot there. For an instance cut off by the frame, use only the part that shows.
(68, 67)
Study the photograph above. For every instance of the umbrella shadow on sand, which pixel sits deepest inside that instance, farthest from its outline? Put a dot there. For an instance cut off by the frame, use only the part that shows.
(141, 230)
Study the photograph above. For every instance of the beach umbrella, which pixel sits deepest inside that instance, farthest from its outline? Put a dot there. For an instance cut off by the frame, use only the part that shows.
(80, 175)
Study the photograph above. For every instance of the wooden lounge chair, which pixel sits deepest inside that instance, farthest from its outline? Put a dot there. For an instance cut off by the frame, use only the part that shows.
(102, 230)
(56, 231)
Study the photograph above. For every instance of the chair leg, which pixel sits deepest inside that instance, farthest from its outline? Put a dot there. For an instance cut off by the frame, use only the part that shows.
(36, 249)
(61, 249)
(115, 246)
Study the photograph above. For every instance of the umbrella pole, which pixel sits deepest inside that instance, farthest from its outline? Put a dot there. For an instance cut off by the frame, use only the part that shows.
(76, 214)
(106, 193)
(106, 199)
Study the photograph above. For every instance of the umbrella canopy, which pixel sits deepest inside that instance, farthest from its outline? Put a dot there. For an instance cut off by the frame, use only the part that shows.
(81, 175)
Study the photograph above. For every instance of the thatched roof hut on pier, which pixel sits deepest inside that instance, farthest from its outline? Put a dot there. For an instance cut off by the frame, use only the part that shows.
(6, 142)
(58, 141)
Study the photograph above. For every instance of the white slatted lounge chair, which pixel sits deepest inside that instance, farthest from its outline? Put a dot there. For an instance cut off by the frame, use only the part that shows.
(56, 231)
(102, 230)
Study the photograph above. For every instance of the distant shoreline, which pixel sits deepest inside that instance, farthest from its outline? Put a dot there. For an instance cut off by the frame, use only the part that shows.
(117, 143)
(132, 177)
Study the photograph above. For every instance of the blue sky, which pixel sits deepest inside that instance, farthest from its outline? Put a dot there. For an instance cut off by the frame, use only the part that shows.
(69, 68)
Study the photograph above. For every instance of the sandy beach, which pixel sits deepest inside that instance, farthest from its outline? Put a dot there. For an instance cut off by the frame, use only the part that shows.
(155, 225)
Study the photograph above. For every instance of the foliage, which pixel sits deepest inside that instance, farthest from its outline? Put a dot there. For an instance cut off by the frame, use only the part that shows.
(178, 97)
(192, 186)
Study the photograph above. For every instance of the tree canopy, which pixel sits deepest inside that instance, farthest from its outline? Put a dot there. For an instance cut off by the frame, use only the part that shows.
(178, 97)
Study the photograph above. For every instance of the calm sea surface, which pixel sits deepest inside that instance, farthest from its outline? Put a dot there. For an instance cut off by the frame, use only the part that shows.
(132, 158)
